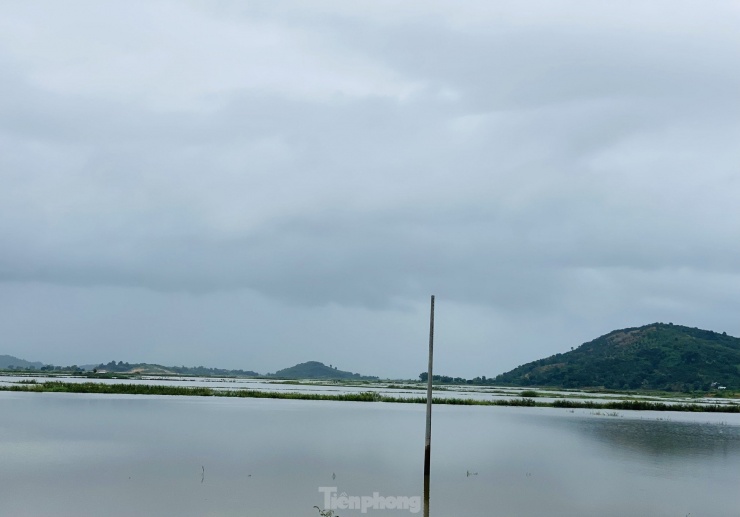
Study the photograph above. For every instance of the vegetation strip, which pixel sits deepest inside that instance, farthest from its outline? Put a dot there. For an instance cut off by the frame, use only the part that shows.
(365, 396)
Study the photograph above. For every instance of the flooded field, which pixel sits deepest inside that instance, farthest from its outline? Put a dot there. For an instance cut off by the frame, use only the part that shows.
(399, 389)
(118, 455)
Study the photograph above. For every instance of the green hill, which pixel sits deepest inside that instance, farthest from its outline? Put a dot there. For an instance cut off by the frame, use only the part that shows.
(316, 370)
(658, 356)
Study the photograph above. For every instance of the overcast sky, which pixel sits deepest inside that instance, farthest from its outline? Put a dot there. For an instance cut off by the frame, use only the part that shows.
(256, 184)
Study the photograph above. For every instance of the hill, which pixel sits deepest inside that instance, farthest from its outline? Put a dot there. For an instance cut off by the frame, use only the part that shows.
(657, 356)
(8, 361)
(316, 370)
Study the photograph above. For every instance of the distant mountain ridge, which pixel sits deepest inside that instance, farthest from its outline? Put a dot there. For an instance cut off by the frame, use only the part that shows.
(158, 369)
(9, 361)
(308, 370)
(658, 356)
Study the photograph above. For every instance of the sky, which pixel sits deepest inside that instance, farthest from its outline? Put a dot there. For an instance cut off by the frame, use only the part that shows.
(256, 184)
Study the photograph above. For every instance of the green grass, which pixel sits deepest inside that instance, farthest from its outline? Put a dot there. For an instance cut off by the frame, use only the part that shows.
(642, 405)
(529, 393)
(365, 396)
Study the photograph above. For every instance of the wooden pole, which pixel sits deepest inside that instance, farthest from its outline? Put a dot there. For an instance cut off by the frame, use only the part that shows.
(426, 496)
(428, 439)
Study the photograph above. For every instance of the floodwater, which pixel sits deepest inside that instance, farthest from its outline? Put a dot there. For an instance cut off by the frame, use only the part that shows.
(84, 455)
(398, 389)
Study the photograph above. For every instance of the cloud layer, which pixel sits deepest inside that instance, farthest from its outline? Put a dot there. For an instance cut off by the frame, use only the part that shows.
(305, 175)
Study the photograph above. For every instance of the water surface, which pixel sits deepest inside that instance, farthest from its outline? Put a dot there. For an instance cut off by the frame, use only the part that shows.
(116, 455)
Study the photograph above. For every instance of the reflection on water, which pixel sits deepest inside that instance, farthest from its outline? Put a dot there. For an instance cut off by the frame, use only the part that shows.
(80, 455)
(653, 438)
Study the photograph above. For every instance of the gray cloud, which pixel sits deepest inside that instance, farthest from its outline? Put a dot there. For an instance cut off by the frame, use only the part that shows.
(551, 173)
